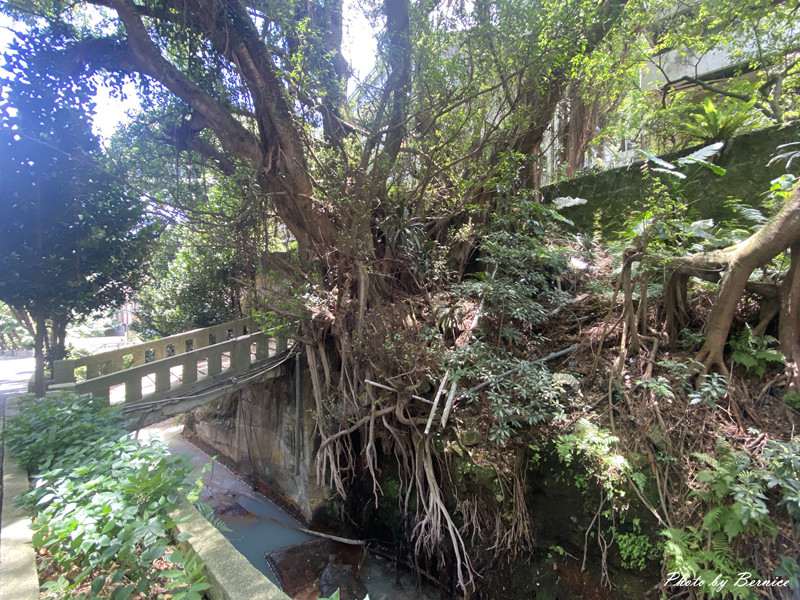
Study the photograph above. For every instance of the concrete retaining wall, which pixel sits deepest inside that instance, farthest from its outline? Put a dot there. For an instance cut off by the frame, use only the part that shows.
(613, 195)
(230, 574)
(266, 432)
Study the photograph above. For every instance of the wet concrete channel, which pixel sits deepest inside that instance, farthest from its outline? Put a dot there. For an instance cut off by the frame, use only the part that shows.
(257, 527)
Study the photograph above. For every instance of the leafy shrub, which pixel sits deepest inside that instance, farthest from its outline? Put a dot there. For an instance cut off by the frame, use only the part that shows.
(660, 386)
(708, 122)
(635, 547)
(734, 492)
(520, 392)
(59, 426)
(102, 501)
(595, 448)
(792, 399)
(711, 390)
(783, 472)
(755, 353)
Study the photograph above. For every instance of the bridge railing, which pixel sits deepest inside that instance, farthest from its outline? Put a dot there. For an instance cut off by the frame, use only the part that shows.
(181, 372)
(106, 363)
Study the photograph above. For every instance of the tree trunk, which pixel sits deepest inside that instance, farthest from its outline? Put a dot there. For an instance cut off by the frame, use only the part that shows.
(738, 262)
(58, 350)
(39, 335)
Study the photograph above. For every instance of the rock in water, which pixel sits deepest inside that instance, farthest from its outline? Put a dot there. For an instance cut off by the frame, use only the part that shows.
(340, 577)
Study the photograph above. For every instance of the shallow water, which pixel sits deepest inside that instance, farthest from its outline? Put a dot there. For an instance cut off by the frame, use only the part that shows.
(256, 526)
(263, 529)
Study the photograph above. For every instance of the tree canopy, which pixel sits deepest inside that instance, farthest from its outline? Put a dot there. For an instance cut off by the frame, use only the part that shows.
(397, 223)
(72, 237)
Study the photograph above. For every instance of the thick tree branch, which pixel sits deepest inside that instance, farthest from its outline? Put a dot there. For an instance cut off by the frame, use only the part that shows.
(149, 61)
(277, 152)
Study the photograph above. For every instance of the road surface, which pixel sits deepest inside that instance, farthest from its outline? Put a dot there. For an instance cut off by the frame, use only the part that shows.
(14, 376)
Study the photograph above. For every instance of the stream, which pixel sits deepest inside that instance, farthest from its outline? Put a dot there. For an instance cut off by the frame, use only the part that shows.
(257, 527)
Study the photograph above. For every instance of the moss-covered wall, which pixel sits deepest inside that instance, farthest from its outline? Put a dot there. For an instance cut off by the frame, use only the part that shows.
(617, 193)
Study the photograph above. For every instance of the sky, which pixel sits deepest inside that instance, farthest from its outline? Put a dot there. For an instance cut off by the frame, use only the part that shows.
(359, 48)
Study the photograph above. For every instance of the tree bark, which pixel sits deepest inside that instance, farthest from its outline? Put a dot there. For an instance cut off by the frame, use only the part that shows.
(58, 349)
(737, 263)
(39, 337)
(789, 324)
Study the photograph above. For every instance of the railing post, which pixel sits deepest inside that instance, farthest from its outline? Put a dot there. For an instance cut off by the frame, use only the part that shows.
(163, 383)
(133, 388)
(240, 355)
(138, 357)
(214, 363)
(116, 363)
(92, 370)
(262, 347)
(63, 371)
(280, 344)
(189, 375)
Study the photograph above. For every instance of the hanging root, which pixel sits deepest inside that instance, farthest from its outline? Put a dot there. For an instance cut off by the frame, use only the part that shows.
(629, 341)
(417, 466)
(789, 328)
(433, 519)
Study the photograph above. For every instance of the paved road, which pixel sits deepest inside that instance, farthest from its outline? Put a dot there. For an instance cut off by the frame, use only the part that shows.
(14, 376)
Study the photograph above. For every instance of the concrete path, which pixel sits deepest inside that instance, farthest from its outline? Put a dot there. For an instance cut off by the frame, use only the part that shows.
(14, 376)
(15, 373)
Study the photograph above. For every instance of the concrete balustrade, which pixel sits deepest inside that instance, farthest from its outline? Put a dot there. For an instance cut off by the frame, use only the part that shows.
(160, 376)
(106, 363)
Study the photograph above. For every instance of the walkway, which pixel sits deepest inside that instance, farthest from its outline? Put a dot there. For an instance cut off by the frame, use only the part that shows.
(14, 376)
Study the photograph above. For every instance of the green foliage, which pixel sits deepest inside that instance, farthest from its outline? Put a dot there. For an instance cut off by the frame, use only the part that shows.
(792, 398)
(665, 225)
(695, 553)
(788, 152)
(102, 502)
(525, 396)
(635, 547)
(521, 262)
(72, 236)
(734, 491)
(711, 389)
(782, 465)
(62, 422)
(13, 336)
(188, 581)
(521, 270)
(660, 386)
(190, 284)
(711, 123)
(755, 353)
(595, 449)
(209, 515)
